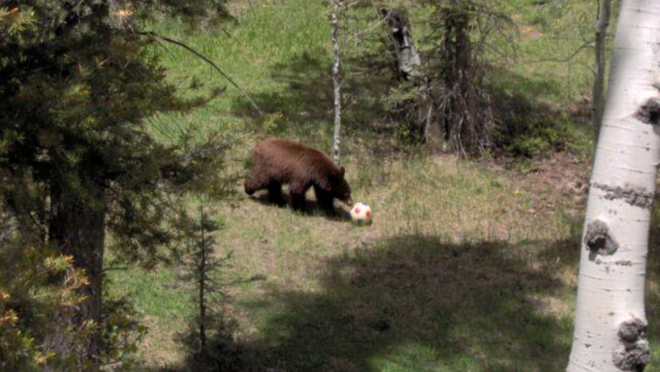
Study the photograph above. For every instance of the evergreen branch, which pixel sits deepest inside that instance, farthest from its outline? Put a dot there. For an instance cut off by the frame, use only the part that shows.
(207, 60)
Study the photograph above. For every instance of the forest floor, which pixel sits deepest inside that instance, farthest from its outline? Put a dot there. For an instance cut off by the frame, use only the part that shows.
(469, 265)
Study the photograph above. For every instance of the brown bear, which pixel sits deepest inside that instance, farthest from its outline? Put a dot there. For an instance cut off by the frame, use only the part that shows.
(278, 161)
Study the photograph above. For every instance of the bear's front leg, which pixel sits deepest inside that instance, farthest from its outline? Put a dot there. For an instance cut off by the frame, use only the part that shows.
(297, 192)
(324, 199)
(275, 193)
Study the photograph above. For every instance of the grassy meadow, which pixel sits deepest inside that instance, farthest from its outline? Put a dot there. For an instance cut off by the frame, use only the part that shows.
(468, 266)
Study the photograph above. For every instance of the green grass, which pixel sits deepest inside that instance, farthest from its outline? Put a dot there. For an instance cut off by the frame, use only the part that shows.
(467, 266)
(166, 305)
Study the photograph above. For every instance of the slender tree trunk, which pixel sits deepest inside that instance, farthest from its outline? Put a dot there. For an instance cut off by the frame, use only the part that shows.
(466, 106)
(431, 130)
(336, 79)
(610, 320)
(202, 286)
(598, 98)
(77, 227)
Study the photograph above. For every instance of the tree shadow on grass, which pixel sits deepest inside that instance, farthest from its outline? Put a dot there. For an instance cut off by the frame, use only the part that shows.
(416, 303)
(413, 303)
(528, 124)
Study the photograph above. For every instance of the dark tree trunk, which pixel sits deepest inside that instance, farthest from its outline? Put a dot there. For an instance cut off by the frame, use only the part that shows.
(77, 221)
(460, 102)
(77, 227)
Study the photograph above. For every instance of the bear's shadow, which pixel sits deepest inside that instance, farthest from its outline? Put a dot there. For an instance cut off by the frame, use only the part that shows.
(312, 207)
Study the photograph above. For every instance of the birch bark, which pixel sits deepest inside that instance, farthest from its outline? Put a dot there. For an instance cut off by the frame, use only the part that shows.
(610, 320)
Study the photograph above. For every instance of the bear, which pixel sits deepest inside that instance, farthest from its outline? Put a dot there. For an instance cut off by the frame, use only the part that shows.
(277, 161)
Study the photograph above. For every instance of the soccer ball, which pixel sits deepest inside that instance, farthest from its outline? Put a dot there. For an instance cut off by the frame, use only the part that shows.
(361, 213)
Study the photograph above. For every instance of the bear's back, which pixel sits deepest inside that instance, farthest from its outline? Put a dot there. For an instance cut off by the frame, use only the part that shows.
(293, 157)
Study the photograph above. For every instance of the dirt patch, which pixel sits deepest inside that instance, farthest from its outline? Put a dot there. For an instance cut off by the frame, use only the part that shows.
(551, 306)
(559, 181)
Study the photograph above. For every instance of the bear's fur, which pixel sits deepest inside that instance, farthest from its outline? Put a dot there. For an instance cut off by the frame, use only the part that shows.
(278, 161)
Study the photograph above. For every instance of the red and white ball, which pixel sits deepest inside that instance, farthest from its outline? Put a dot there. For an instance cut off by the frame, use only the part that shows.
(361, 213)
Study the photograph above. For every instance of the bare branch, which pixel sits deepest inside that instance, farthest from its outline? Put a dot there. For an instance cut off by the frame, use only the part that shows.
(570, 57)
(205, 59)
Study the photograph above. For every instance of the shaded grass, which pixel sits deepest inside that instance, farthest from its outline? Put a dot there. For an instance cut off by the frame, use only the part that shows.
(415, 303)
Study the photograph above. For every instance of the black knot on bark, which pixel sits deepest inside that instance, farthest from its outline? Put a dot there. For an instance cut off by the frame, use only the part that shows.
(649, 113)
(634, 353)
(599, 240)
(632, 330)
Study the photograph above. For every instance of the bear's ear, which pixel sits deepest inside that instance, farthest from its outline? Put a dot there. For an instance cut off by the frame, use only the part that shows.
(342, 171)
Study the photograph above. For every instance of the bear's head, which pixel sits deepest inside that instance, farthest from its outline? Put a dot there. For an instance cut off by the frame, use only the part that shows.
(341, 190)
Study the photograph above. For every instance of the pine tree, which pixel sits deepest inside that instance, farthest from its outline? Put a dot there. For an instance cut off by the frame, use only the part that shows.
(204, 264)
(212, 335)
(77, 155)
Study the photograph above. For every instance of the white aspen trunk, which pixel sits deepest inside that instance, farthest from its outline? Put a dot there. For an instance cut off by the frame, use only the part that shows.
(336, 80)
(597, 101)
(610, 320)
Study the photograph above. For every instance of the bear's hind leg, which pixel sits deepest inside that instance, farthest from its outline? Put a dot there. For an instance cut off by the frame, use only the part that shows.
(324, 199)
